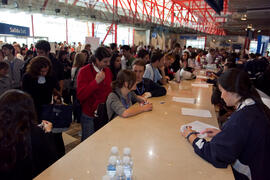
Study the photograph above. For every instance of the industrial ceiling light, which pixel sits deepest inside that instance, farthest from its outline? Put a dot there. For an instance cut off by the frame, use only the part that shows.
(259, 31)
(244, 17)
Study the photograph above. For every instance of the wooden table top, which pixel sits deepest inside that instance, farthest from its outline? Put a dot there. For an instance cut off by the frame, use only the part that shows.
(158, 150)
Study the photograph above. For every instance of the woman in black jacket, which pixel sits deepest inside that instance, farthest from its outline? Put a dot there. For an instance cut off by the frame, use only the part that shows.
(25, 150)
(41, 85)
(244, 140)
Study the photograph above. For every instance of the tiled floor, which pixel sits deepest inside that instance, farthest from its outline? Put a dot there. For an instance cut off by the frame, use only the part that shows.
(72, 139)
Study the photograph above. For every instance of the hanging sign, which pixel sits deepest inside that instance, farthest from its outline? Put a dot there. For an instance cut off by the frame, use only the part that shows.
(14, 30)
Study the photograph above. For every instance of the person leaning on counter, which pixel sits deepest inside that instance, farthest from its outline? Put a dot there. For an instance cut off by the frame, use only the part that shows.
(146, 87)
(244, 140)
(119, 101)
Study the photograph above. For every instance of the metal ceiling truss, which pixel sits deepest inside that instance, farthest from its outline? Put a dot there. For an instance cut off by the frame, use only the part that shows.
(193, 14)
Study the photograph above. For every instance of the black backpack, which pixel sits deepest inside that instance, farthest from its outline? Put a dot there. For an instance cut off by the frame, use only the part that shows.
(101, 116)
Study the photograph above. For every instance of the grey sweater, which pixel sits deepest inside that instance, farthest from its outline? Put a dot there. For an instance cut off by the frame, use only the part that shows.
(5, 84)
(116, 106)
(14, 73)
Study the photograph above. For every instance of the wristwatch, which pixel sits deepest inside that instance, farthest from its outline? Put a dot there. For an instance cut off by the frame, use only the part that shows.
(190, 135)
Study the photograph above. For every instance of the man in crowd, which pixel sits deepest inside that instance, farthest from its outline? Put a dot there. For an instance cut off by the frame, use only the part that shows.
(146, 87)
(152, 69)
(176, 53)
(15, 65)
(127, 58)
(88, 48)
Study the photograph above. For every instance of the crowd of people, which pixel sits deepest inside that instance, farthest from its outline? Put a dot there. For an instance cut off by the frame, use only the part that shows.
(120, 77)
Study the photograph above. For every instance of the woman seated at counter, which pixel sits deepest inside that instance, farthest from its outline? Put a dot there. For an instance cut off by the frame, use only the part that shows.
(185, 72)
(120, 100)
(244, 140)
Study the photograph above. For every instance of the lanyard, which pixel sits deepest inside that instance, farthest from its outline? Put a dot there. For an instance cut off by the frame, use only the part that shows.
(153, 72)
(142, 88)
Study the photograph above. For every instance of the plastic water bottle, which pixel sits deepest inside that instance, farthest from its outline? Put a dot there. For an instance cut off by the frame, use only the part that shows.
(127, 152)
(106, 177)
(111, 168)
(115, 152)
(127, 167)
(120, 175)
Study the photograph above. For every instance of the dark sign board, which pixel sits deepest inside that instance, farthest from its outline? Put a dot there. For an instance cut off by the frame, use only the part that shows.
(14, 30)
(188, 37)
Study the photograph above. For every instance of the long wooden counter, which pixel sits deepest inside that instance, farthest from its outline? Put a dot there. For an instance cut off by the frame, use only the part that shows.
(159, 151)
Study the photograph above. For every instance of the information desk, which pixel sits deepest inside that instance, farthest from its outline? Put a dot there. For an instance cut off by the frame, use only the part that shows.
(159, 151)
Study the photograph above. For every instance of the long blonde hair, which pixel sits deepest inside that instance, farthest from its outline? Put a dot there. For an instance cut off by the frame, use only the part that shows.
(79, 60)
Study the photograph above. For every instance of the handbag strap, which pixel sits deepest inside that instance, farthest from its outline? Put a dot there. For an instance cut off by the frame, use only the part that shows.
(76, 72)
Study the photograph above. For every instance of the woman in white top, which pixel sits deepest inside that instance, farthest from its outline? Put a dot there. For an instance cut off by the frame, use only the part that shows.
(79, 62)
(185, 72)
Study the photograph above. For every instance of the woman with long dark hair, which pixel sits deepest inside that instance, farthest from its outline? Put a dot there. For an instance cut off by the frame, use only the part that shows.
(244, 140)
(24, 148)
(115, 65)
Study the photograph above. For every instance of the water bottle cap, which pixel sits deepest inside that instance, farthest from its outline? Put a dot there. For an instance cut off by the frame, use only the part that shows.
(126, 160)
(119, 170)
(114, 150)
(106, 177)
(112, 160)
(126, 151)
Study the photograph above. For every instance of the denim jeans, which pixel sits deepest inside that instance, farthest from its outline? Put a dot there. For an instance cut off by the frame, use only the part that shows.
(87, 124)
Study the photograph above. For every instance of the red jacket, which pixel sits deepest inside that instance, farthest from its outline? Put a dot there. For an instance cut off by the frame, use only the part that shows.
(89, 93)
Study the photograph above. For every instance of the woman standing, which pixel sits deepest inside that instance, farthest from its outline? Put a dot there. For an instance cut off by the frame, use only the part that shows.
(41, 85)
(115, 65)
(78, 63)
(119, 101)
(244, 140)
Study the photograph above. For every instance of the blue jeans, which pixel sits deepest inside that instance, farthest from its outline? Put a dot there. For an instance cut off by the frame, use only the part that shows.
(87, 124)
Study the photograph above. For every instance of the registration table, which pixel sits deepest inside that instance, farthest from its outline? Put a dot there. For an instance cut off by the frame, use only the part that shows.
(158, 150)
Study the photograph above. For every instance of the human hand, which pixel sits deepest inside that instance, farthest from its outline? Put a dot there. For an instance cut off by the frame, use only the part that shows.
(142, 99)
(100, 76)
(47, 126)
(147, 107)
(147, 95)
(211, 132)
(187, 130)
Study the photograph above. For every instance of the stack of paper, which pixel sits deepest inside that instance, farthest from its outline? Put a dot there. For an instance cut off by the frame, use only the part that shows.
(198, 127)
(204, 85)
(196, 112)
(184, 100)
(202, 77)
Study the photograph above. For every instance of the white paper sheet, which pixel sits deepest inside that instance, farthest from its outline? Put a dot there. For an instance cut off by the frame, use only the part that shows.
(198, 127)
(184, 100)
(204, 85)
(196, 112)
(266, 101)
(201, 77)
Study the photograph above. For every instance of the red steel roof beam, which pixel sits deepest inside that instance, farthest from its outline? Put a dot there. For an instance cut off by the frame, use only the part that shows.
(75, 2)
(44, 5)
